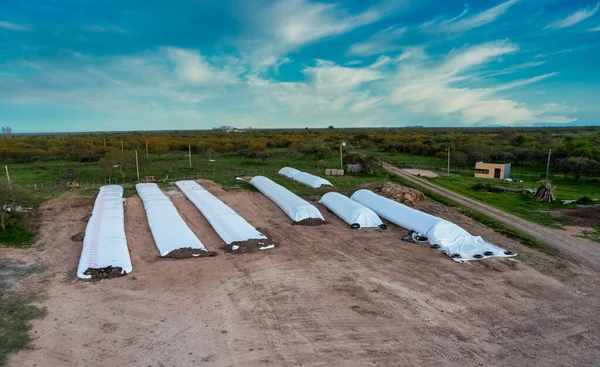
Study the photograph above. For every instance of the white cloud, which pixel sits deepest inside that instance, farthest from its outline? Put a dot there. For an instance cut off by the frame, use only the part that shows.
(171, 84)
(513, 69)
(291, 24)
(573, 19)
(191, 67)
(463, 23)
(524, 82)
(14, 26)
(416, 52)
(365, 105)
(596, 29)
(381, 42)
(433, 90)
(328, 76)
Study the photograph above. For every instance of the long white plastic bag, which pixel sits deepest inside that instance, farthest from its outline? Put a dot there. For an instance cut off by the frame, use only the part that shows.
(294, 206)
(446, 236)
(311, 180)
(234, 230)
(350, 211)
(169, 230)
(105, 244)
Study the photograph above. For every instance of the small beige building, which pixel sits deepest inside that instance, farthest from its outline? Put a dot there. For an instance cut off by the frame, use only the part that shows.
(492, 170)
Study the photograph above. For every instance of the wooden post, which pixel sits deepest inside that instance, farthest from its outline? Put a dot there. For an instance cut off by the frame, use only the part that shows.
(548, 164)
(190, 154)
(448, 161)
(7, 175)
(137, 166)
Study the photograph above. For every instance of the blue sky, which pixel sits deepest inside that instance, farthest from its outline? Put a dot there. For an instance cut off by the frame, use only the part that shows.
(83, 65)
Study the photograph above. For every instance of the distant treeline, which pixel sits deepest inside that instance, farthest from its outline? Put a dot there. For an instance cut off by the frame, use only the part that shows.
(575, 150)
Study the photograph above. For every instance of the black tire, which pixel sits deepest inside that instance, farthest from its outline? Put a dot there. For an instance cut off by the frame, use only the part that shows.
(382, 226)
(355, 226)
(435, 246)
(488, 253)
(478, 256)
(455, 256)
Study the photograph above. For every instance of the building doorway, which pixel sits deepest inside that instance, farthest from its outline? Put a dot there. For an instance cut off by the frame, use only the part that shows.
(497, 173)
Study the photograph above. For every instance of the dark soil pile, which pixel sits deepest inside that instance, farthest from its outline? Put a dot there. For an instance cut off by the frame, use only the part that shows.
(248, 246)
(78, 237)
(187, 252)
(310, 222)
(105, 273)
(587, 216)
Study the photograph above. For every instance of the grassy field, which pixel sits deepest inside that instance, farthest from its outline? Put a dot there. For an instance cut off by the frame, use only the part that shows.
(52, 173)
(520, 204)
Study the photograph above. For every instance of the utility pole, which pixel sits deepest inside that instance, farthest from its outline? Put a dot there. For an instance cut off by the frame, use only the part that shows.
(104, 144)
(448, 161)
(342, 144)
(147, 158)
(190, 154)
(137, 166)
(7, 175)
(548, 164)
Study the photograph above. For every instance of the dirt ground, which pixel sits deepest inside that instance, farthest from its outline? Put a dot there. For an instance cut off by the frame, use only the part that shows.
(420, 172)
(326, 296)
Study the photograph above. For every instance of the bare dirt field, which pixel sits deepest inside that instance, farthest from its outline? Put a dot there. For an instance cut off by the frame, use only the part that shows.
(326, 296)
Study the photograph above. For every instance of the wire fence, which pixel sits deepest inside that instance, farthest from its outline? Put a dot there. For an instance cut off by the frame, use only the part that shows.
(166, 177)
(215, 174)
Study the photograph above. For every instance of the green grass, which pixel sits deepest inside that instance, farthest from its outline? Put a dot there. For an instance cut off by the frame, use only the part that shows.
(49, 174)
(519, 204)
(15, 235)
(482, 218)
(593, 235)
(16, 312)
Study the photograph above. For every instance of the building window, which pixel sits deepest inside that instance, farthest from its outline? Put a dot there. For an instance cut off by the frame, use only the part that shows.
(482, 171)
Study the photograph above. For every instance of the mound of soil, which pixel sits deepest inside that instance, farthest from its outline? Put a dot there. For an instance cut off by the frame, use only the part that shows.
(310, 222)
(187, 252)
(105, 273)
(587, 216)
(242, 247)
(78, 237)
(401, 194)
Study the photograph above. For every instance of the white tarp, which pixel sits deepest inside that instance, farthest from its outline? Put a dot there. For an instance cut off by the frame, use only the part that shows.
(457, 243)
(311, 180)
(289, 172)
(294, 206)
(228, 224)
(169, 230)
(351, 211)
(104, 243)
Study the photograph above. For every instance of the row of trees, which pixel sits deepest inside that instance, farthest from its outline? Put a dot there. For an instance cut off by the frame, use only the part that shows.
(524, 147)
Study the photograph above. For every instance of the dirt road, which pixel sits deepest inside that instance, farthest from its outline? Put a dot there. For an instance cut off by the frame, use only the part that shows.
(326, 296)
(584, 251)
